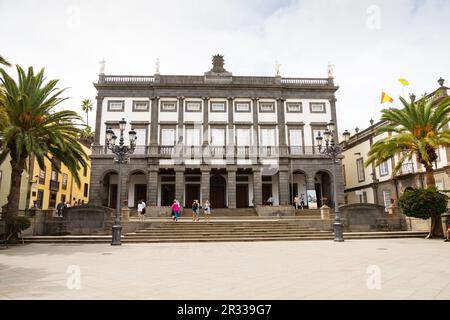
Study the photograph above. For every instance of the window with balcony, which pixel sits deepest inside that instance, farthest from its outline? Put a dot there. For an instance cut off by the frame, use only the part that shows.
(64, 181)
(384, 169)
(42, 176)
(218, 137)
(360, 169)
(242, 107)
(193, 106)
(168, 106)
(316, 107)
(218, 107)
(116, 105)
(296, 140)
(86, 190)
(267, 138)
(386, 199)
(243, 137)
(294, 107)
(140, 106)
(193, 136)
(168, 136)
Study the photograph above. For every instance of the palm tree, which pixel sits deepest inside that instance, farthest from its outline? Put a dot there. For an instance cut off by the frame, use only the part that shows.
(419, 129)
(4, 62)
(33, 127)
(86, 106)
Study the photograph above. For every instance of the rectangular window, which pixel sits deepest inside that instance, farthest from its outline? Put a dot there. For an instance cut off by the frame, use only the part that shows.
(64, 181)
(386, 199)
(266, 107)
(241, 178)
(140, 105)
(218, 107)
(384, 170)
(315, 133)
(343, 173)
(54, 175)
(193, 107)
(193, 136)
(52, 200)
(243, 137)
(63, 198)
(316, 107)
(85, 171)
(268, 137)
(218, 137)
(192, 179)
(41, 176)
(116, 105)
(40, 199)
(167, 178)
(141, 136)
(86, 190)
(360, 169)
(167, 106)
(294, 107)
(296, 140)
(167, 137)
(242, 107)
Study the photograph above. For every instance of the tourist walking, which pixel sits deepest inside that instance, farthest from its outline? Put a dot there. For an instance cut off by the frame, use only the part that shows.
(448, 230)
(296, 202)
(195, 210)
(207, 210)
(270, 201)
(302, 201)
(175, 210)
(59, 208)
(140, 208)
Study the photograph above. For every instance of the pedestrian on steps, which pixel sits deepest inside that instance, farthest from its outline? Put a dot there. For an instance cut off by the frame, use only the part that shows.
(175, 210)
(207, 210)
(195, 211)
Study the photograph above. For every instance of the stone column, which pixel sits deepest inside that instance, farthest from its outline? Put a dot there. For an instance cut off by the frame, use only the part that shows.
(152, 186)
(180, 118)
(205, 120)
(154, 122)
(284, 187)
(334, 117)
(205, 185)
(255, 121)
(230, 135)
(98, 120)
(281, 122)
(257, 187)
(231, 188)
(179, 185)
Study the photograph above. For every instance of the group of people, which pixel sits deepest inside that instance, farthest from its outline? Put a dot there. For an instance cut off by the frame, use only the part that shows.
(176, 210)
(62, 205)
(299, 201)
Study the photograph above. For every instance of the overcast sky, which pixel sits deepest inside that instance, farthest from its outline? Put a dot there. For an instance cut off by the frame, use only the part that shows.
(370, 43)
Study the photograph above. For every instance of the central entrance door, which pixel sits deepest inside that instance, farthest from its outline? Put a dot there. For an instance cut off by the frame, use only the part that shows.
(266, 192)
(140, 193)
(192, 193)
(113, 196)
(167, 194)
(241, 195)
(217, 191)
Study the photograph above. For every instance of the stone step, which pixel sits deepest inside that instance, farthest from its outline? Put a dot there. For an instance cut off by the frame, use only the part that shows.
(225, 234)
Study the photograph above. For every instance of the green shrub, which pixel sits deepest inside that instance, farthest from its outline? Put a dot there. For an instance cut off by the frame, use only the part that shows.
(21, 223)
(423, 203)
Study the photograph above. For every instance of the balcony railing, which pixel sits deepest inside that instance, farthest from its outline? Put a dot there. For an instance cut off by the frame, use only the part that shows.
(406, 168)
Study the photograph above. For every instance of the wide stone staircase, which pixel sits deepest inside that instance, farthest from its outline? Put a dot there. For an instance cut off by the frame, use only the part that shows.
(251, 229)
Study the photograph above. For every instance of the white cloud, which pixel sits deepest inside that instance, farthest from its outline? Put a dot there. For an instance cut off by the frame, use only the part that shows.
(302, 35)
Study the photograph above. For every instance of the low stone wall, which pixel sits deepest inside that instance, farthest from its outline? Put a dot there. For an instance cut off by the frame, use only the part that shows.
(370, 217)
(153, 211)
(271, 211)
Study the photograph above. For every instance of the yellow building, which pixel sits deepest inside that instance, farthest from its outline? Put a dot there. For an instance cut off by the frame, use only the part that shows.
(47, 187)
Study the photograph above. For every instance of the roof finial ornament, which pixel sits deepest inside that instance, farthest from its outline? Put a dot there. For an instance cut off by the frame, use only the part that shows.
(441, 81)
(102, 66)
(330, 70)
(218, 64)
(157, 66)
(277, 69)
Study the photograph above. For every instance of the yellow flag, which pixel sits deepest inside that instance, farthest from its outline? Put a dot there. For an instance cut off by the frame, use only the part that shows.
(403, 81)
(385, 98)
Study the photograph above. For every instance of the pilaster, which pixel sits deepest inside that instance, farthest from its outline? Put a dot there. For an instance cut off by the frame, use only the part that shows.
(231, 188)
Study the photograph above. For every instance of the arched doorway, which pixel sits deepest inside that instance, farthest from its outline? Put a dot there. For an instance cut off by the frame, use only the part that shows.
(297, 186)
(109, 189)
(323, 184)
(217, 191)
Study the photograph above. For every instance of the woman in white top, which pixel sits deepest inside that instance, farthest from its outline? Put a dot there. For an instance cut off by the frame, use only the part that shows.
(141, 209)
(207, 210)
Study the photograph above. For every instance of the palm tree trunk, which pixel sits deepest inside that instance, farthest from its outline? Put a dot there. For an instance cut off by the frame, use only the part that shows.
(87, 117)
(12, 208)
(436, 221)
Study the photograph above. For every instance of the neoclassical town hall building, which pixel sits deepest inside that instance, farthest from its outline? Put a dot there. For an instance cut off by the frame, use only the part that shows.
(235, 140)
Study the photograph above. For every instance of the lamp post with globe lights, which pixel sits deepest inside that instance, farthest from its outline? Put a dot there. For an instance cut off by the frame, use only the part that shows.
(334, 151)
(121, 151)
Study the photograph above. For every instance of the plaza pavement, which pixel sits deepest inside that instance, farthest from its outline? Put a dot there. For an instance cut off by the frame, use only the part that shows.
(355, 269)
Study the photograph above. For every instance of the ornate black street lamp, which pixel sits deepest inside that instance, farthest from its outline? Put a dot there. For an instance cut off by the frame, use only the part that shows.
(333, 150)
(121, 151)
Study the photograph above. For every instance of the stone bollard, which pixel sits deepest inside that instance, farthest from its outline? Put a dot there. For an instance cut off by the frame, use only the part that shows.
(125, 213)
(325, 212)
